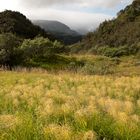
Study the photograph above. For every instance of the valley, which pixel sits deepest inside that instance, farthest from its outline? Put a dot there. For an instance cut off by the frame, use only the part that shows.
(56, 84)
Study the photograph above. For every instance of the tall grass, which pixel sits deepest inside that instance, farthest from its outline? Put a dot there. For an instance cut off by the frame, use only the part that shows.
(35, 106)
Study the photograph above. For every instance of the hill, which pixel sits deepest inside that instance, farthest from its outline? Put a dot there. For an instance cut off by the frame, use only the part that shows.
(55, 27)
(121, 31)
(59, 30)
(17, 23)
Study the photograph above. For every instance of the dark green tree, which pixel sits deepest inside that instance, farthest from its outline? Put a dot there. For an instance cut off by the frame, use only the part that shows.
(9, 50)
(17, 23)
(40, 48)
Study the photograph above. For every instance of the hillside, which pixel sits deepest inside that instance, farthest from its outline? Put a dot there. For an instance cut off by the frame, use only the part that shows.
(54, 26)
(17, 23)
(59, 30)
(121, 31)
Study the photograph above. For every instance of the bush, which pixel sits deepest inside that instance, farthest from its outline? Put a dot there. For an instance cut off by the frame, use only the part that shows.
(10, 53)
(75, 65)
(117, 52)
(40, 48)
(100, 67)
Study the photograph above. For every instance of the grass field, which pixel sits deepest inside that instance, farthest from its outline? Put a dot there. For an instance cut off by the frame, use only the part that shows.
(66, 106)
(88, 65)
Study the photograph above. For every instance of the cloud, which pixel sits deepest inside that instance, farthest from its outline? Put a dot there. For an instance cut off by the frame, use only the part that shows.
(79, 21)
(74, 13)
(8, 4)
(67, 11)
(82, 3)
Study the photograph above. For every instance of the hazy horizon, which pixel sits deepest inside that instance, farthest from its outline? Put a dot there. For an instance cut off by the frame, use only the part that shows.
(77, 14)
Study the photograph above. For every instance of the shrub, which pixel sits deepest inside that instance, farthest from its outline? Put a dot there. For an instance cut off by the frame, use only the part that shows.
(9, 50)
(39, 48)
(100, 67)
(117, 52)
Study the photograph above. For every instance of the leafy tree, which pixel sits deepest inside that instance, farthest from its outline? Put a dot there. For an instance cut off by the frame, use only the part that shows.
(17, 23)
(40, 48)
(9, 50)
(121, 31)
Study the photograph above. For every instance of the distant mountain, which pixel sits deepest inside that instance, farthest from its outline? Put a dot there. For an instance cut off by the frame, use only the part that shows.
(17, 23)
(59, 30)
(54, 26)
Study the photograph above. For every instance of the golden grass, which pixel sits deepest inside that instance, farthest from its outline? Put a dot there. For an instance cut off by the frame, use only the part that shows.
(69, 106)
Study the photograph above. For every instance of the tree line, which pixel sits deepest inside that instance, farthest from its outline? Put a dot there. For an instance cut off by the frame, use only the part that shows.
(16, 51)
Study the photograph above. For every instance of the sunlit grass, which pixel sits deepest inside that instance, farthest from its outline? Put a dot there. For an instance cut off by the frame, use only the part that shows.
(66, 106)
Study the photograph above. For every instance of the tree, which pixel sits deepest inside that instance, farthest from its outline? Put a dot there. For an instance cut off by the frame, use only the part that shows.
(16, 23)
(9, 50)
(40, 47)
(124, 30)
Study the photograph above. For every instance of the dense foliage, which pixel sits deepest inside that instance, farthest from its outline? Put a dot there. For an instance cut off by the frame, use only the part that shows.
(120, 31)
(67, 39)
(10, 53)
(15, 51)
(18, 24)
(40, 48)
(117, 33)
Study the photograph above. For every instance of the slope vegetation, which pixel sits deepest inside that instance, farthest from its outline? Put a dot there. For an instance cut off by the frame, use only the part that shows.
(121, 33)
(17, 23)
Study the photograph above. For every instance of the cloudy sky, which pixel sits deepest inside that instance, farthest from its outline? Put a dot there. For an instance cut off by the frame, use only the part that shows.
(83, 15)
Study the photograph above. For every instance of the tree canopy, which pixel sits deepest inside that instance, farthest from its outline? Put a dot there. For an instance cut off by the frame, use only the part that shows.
(17, 23)
(9, 50)
(124, 30)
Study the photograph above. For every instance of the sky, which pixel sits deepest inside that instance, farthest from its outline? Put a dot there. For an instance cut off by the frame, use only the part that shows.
(80, 15)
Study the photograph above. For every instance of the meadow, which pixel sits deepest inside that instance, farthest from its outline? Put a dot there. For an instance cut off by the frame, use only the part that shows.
(69, 106)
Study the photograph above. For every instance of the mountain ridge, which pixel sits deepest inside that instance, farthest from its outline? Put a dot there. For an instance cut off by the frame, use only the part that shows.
(52, 25)
(60, 30)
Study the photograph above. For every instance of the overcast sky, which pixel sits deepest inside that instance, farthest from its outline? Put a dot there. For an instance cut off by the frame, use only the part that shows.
(78, 14)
